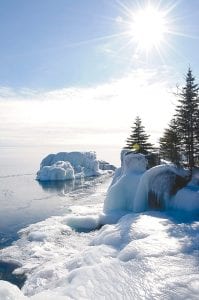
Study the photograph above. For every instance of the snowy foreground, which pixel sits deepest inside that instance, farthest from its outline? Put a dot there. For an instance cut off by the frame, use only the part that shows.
(147, 254)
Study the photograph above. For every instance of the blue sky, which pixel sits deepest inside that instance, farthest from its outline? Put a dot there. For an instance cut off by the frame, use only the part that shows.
(70, 75)
(52, 44)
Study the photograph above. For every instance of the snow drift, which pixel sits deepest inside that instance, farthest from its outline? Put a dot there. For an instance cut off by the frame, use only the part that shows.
(72, 165)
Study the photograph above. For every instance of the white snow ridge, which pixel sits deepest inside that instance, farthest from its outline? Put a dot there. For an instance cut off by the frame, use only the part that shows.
(150, 253)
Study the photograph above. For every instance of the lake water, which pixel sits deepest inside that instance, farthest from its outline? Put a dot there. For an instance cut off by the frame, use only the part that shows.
(24, 201)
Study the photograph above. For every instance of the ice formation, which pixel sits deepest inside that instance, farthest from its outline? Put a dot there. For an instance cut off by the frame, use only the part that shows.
(136, 189)
(60, 170)
(71, 165)
(122, 192)
(158, 185)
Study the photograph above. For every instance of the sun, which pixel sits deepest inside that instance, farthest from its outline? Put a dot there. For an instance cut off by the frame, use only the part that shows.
(148, 27)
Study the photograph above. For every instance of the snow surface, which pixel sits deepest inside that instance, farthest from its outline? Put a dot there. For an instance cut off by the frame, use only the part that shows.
(71, 165)
(143, 256)
(148, 255)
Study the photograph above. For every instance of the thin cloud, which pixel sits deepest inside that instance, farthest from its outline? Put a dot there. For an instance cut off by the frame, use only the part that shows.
(101, 114)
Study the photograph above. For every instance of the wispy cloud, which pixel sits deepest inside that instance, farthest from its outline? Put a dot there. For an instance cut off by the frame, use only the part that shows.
(100, 114)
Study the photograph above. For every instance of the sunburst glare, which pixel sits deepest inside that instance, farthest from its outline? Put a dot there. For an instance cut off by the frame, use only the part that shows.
(148, 27)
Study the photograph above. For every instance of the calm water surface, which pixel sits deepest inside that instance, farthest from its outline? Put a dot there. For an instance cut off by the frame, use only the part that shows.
(24, 201)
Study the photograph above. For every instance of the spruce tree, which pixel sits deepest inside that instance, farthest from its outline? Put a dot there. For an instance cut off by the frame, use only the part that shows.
(170, 147)
(187, 118)
(197, 141)
(138, 139)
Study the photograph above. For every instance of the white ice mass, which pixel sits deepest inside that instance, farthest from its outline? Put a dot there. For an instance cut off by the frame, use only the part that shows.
(71, 165)
(146, 255)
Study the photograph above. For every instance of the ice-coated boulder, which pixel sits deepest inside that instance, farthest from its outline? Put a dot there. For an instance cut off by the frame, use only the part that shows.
(104, 165)
(60, 170)
(158, 185)
(78, 160)
(122, 191)
(119, 170)
(134, 188)
(71, 165)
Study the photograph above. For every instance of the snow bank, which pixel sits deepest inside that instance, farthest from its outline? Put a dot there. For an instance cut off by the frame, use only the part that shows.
(143, 256)
(9, 291)
(186, 200)
(71, 165)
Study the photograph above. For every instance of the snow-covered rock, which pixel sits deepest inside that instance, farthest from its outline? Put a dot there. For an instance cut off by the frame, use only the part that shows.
(122, 191)
(158, 185)
(136, 189)
(104, 165)
(71, 165)
(118, 171)
(60, 170)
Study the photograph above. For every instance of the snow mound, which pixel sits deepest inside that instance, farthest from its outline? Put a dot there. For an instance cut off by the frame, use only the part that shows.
(72, 165)
(186, 200)
(9, 291)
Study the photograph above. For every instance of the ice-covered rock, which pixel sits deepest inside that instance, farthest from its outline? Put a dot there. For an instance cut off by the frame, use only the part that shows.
(119, 170)
(136, 189)
(71, 165)
(60, 170)
(158, 185)
(122, 192)
(104, 165)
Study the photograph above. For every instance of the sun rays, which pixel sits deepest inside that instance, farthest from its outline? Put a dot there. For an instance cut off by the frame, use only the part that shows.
(148, 28)
(145, 29)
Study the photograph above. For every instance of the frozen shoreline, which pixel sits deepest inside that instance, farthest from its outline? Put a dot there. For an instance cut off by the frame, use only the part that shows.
(145, 255)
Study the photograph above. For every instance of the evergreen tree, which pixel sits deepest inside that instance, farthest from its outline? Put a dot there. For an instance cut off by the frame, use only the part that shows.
(187, 118)
(197, 141)
(170, 143)
(138, 139)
